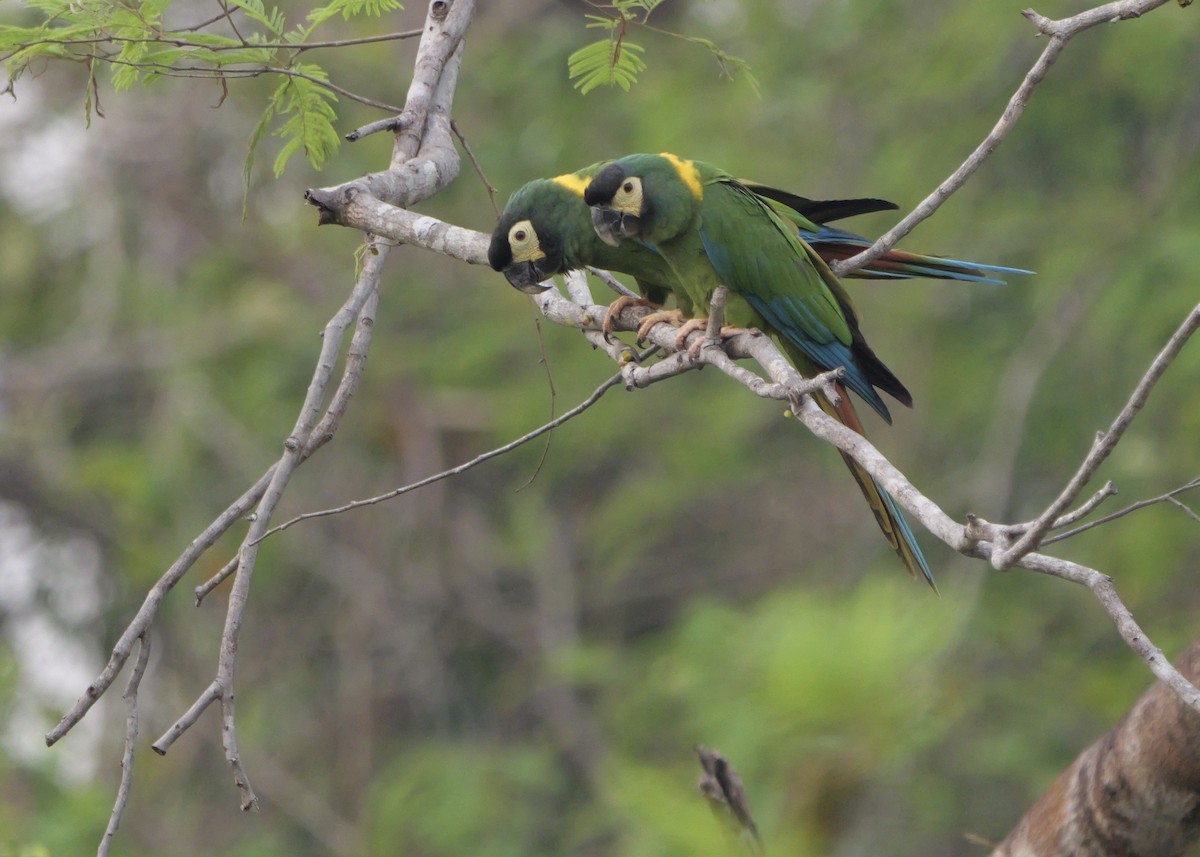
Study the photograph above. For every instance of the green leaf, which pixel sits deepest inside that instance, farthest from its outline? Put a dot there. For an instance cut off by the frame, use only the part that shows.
(606, 63)
(310, 114)
(285, 154)
(152, 10)
(351, 8)
(35, 46)
(601, 23)
(254, 9)
(127, 65)
(52, 8)
(260, 131)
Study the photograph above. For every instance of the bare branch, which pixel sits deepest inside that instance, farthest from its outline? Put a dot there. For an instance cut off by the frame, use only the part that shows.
(612, 282)
(1060, 32)
(454, 471)
(1103, 446)
(216, 580)
(1186, 509)
(1085, 509)
(210, 695)
(969, 541)
(131, 733)
(308, 435)
(1133, 507)
(142, 621)
(1108, 13)
(977, 539)
(229, 741)
(429, 98)
(365, 294)
(1104, 590)
(491, 189)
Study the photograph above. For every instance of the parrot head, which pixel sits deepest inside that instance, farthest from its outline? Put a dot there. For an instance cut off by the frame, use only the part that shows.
(528, 244)
(648, 197)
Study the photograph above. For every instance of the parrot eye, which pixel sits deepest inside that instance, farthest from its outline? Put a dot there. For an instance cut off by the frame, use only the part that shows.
(629, 195)
(521, 233)
(524, 243)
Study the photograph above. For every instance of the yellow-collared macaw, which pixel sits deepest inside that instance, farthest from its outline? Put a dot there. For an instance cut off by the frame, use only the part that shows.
(545, 229)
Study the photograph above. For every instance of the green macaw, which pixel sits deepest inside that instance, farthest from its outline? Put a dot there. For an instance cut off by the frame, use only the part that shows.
(712, 230)
(545, 229)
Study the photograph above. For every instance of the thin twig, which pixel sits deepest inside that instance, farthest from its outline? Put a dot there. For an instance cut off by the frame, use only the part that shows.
(1103, 446)
(1088, 506)
(1016, 107)
(216, 580)
(188, 719)
(454, 471)
(1085, 509)
(131, 733)
(229, 740)
(1133, 507)
(1105, 591)
(612, 282)
(392, 123)
(145, 616)
(364, 295)
(1185, 508)
(544, 362)
(1060, 32)
(491, 189)
(217, 48)
(201, 73)
(206, 23)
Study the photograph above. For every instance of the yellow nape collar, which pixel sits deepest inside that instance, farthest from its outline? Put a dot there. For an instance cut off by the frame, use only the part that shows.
(687, 173)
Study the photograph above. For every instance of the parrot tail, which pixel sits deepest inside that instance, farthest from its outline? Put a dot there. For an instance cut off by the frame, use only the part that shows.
(835, 245)
(887, 513)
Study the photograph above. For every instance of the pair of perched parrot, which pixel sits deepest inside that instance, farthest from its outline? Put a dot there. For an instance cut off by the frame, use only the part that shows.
(683, 227)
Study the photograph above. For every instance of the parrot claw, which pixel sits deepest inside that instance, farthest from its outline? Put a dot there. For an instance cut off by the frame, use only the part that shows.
(670, 316)
(615, 308)
(689, 327)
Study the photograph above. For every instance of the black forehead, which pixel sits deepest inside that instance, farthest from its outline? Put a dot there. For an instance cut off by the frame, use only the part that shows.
(499, 253)
(605, 183)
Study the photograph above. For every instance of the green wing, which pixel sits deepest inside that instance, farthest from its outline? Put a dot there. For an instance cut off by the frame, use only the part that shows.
(757, 256)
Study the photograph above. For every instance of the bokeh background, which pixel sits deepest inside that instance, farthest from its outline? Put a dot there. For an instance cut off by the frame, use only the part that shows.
(520, 660)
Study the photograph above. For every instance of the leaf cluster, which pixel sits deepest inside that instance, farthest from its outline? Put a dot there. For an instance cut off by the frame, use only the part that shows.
(616, 61)
(246, 38)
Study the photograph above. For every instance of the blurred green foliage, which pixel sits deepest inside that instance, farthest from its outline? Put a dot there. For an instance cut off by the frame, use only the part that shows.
(520, 660)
